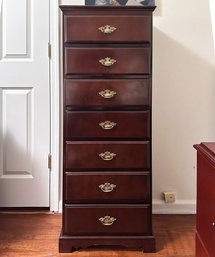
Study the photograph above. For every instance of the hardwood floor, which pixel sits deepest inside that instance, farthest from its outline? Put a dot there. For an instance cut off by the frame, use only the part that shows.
(36, 235)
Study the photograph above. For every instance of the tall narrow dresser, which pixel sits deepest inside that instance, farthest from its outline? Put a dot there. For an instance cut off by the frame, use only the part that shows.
(107, 69)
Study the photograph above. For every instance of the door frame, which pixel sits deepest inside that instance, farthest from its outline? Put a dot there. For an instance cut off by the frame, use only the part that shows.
(55, 111)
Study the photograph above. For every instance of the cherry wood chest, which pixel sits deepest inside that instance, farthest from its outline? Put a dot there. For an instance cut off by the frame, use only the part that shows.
(107, 67)
(205, 222)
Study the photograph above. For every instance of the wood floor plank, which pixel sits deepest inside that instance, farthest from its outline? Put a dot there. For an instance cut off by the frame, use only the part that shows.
(36, 235)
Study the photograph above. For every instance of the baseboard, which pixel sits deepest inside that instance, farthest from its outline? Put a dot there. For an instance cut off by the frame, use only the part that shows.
(179, 207)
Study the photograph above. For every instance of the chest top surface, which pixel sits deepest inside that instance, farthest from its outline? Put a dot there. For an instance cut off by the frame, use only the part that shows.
(207, 150)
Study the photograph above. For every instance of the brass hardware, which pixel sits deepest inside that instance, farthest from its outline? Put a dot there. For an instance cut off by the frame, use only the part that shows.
(107, 61)
(107, 124)
(49, 161)
(49, 50)
(107, 29)
(107, 156)
(107, 187)
(107, 220)
(107, 93)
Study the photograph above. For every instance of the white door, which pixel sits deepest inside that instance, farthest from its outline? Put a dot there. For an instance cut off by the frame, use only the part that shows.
(24, 103)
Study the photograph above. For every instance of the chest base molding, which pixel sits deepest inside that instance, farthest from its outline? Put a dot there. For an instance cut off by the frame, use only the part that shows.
(73, 243)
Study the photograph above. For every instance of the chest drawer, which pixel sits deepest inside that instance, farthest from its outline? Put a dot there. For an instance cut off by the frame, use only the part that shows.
(108, 28)
(105, 124)
(106, 220)
(107, 155)
(107, 93)
(115, 187)
(107, 60)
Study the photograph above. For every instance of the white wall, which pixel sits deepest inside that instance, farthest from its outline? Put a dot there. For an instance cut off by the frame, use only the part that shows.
(183, 98)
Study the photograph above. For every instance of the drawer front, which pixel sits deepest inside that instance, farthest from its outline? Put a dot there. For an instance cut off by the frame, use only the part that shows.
(107, 93)
(106, 220)
(94, 28)
(107, 155)
(107, 124)
(122, 60)
(109, 187)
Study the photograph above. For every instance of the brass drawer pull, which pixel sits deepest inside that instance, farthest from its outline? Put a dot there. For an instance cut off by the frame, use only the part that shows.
(107, 156)
(107, 61)
(107, 124)
(107, 94)
(107, 220)
(107, 187)
(107, 29)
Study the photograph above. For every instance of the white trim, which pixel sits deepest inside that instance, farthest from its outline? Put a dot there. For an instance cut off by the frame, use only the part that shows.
(212, 12)
(55, 103)
(179, 207)
(60, 206)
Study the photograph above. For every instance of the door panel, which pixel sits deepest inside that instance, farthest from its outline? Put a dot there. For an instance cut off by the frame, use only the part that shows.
(17, 136)
(24, 103)
(16, 25)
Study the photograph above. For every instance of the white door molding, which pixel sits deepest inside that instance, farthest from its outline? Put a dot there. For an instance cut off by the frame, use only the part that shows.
(55, 173)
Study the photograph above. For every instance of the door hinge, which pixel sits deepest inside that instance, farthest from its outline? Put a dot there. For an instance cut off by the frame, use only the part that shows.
(49, 161)
(49, 50)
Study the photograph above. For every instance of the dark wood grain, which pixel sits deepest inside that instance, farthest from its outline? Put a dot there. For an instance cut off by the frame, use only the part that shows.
(130, 187)
(84, 220)
(126, 124)
(85, 93)
(81, 60)
(85, 155)
(90, 25)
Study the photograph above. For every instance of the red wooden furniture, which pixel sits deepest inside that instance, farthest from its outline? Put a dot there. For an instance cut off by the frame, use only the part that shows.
(205, 224)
